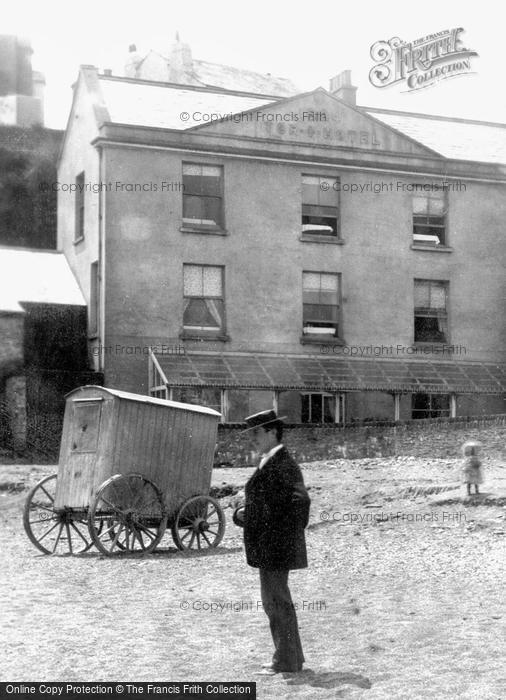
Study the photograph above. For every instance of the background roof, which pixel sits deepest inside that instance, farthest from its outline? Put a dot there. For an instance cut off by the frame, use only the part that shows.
(240, 79)
(37, 277)
(453, 138)
(160, 106)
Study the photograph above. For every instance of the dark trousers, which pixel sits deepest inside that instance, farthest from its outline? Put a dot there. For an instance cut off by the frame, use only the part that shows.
(277, 603)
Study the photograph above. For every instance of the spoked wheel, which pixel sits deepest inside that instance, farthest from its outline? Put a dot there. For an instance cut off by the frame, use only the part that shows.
(127, 515)
(199, 524)
(51, 531)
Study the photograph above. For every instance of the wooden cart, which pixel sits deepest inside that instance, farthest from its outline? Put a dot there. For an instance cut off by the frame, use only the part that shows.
(129, 466)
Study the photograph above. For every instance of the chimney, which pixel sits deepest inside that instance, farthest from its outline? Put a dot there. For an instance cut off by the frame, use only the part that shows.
(39, 87)
(24, 67)
(341, 87)
(39, 84)
(132, 63)
(108, 71)
(15, 66)
(181, 63)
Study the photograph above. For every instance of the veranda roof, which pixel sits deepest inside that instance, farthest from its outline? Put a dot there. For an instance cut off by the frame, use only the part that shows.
(306, 373)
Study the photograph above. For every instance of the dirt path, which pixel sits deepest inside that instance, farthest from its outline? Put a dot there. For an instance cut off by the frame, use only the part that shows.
(403, 598)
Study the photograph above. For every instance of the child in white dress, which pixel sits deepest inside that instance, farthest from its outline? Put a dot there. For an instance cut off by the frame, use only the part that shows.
(471, 466)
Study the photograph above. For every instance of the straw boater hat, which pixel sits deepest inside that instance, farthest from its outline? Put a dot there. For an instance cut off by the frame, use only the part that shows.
(262, 419)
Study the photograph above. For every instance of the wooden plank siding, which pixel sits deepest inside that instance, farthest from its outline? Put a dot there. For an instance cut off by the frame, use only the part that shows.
(171, 444)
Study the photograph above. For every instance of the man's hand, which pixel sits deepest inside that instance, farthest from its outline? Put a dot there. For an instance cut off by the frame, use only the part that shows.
(238, 517)
(301, 502)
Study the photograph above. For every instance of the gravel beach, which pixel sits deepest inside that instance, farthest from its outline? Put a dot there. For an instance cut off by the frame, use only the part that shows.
(403, 597)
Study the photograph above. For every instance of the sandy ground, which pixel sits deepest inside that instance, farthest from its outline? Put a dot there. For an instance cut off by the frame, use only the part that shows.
(403, 597)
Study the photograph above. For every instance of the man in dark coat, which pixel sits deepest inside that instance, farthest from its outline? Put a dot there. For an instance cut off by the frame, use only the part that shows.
(274, 516)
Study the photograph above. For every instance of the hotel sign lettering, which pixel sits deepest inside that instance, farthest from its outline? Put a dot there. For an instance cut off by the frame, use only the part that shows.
(322, 134)
(318, 127)
(309, 123)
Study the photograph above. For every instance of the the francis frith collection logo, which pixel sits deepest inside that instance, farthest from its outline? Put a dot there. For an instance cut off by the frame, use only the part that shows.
(420, 63)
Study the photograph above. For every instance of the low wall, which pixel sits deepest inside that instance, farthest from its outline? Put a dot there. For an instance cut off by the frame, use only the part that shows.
(440, 437)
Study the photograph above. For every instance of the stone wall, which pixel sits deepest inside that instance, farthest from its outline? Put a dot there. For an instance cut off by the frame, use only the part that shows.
(420, 438)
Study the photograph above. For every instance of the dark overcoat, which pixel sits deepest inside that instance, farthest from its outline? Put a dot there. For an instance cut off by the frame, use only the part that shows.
(276, 511)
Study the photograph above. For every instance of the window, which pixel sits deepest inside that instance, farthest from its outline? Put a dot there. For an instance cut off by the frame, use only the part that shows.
(199, 396)
(203, 299)
(94, 300)
(431, 316)
(430, 405)
(429, 217)
(79, 205)
(202, 196)
(320, 303)
(245, 402)
(318, 408)
(320, 206)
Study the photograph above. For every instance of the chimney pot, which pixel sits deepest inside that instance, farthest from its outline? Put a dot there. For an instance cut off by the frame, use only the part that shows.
(132, 63)
(181, 63)
(342, 88)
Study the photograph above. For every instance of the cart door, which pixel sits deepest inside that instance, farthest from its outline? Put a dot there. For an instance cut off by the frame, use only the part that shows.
(85, 425)
(76, 482)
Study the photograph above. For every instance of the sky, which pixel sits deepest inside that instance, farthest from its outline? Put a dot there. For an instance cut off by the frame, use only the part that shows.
(306, 42)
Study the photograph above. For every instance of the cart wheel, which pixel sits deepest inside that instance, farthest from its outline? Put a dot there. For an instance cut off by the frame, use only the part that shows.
(199, 524)
(127, 515)
(53, 532)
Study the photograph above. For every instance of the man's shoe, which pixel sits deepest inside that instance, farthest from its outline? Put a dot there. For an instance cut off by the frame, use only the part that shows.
(269, 671)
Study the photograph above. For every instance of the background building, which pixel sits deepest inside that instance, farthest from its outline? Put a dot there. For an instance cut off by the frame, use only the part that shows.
(43, 351)
(43, 346)
(339, 262)
(28, 152)
(28, 159)
(21, 88)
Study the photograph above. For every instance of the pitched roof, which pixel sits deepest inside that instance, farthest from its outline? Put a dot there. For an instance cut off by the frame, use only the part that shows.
(92, 389)
(180, 67)
(36, 276)
(160, 105)
(459, 139)
(217, 75)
